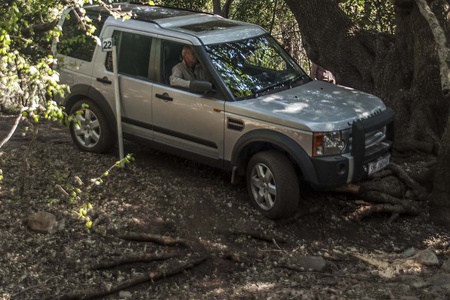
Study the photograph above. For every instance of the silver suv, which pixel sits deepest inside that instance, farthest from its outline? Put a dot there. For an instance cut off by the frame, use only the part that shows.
(258, 115)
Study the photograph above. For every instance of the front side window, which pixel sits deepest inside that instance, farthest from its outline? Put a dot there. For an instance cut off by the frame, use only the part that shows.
(74, 41)
(254, 66)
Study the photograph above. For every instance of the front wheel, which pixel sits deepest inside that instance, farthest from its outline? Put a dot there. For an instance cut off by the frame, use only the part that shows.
(90, 130)
(273, 184)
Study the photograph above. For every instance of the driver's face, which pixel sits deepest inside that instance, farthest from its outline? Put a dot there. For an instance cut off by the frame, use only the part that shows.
(190, 58)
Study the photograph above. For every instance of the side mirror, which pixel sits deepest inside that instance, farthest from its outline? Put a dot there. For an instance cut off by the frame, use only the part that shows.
(200, 87)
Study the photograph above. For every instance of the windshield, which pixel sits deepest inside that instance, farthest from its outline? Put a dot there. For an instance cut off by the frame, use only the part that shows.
(255, 66)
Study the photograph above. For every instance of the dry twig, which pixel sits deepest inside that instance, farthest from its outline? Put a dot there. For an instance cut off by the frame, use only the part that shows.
(158, 239)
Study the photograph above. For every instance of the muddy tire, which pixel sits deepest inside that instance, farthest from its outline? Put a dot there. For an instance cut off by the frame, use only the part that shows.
(90, 131)
(273, 184)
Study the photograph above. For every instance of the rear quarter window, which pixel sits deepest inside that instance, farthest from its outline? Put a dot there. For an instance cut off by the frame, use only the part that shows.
(74, 41)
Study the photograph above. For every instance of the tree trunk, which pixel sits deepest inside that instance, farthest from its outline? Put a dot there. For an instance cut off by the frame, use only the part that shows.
(223, 11)
(440, 200)
(402, 69)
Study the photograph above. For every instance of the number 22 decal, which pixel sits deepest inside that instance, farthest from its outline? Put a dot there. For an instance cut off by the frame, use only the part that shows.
(107, 45)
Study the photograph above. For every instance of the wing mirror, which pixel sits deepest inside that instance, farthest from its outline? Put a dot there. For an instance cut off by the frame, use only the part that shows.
(201, 87)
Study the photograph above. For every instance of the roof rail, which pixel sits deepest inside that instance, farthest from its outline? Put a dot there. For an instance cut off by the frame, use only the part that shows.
(170, 7)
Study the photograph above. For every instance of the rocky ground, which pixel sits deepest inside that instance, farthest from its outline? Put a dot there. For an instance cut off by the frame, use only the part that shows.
(167, 228)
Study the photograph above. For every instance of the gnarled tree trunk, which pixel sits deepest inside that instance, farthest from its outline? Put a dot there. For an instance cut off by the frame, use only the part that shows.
(402, 69)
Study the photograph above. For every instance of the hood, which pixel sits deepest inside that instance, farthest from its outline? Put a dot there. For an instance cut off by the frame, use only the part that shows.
(314, 106)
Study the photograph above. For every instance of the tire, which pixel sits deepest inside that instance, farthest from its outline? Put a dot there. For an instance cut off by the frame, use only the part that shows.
(90, 131)
(273, 184)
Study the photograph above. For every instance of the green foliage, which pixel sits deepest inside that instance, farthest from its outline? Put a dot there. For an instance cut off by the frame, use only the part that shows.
(27, 81)
(79, 195)
(375, 15)
(199, 5)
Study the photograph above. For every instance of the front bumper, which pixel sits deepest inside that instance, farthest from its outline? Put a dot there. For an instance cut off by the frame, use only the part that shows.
(334, 171)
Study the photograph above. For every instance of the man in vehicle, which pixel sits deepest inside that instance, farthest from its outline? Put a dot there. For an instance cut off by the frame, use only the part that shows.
(187, 70)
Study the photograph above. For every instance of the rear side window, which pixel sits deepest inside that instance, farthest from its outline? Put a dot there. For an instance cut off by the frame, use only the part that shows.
(133, 54)
(74, 41)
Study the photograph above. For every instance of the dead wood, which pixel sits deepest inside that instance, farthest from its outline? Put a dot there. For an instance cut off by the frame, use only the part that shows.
(147, 257)
(157, 239)
(149, 277)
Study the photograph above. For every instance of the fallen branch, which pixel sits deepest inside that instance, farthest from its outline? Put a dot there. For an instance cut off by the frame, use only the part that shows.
(149, 277)
(395, 210)
(262, 237)
(147, 257)
(11, 132)
(158, 239)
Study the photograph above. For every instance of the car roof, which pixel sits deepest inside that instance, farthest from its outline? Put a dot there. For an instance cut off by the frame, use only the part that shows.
(209, 28)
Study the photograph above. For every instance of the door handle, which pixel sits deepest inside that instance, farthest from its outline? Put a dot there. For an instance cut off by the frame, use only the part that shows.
(104, 80)
(164, 96)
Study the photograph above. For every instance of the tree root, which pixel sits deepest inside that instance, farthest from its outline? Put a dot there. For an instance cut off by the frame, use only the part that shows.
(147, 257)
(157, 239)
(408, 181)
(149, 277)
(385, 194)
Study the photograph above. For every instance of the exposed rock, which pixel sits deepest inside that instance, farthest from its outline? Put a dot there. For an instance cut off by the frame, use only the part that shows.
(426, 257)
(409, 252)
(125, 295)
(446, 266)
(42, 222)
(441, 279)
(313, 263)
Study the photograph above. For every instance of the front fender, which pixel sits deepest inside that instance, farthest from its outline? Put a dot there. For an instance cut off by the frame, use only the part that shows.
(263, 139)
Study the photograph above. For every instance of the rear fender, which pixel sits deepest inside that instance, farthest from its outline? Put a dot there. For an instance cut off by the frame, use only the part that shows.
(80, 91)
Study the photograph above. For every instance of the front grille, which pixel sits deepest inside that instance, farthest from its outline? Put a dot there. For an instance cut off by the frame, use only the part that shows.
(375, 137)
(371, 138)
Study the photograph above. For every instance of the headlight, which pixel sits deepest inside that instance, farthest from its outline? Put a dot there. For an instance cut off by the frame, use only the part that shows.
(328, 143)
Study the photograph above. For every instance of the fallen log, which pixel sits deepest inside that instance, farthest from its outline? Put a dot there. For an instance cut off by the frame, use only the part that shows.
(149, 277)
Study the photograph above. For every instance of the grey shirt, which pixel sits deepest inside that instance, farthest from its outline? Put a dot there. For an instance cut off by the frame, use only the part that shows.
(182, 75)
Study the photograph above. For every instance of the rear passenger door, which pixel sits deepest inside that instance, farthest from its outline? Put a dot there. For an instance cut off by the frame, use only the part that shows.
(187, 121)
(134, 51)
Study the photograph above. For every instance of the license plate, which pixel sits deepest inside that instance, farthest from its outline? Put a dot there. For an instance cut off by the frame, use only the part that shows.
(378, 164)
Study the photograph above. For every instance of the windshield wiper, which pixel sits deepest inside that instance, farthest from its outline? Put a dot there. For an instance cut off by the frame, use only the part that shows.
(297, 78)
(269, 87)
(287, 83)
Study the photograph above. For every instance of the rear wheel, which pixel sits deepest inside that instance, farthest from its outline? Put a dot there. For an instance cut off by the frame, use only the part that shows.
(273, 184)
(90, 130)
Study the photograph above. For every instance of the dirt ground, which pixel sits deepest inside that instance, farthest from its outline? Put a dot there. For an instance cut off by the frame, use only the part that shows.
(222, 247)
